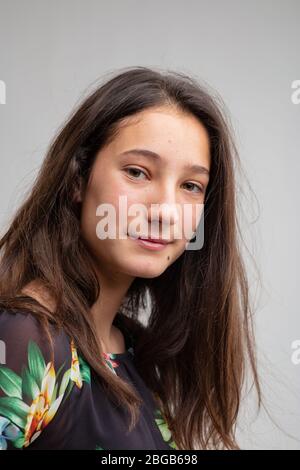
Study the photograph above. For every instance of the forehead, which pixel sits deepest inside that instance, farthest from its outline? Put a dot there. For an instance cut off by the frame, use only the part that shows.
(165, 131)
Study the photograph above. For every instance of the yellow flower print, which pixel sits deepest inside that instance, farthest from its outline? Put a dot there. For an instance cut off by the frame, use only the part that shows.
(43, 407)
(39, 383)
(75, 368)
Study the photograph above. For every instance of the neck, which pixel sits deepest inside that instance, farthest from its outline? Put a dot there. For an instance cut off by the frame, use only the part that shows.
(113, 288)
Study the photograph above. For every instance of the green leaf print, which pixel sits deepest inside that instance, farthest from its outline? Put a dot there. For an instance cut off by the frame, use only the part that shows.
(163, 427)
(29, 385)
(36, 362)
(19, 421)
(19, 442)
(15, 410)
(85, 370)
(10, 383)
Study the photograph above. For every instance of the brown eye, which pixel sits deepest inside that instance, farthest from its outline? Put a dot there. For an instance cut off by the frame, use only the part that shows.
(135, 171)
(199, 189)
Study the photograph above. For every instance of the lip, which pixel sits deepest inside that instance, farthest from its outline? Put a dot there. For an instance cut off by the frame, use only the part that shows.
(150, 243)
(156, 240)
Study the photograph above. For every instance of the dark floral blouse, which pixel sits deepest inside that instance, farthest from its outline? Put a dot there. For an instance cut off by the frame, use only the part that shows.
(59, 404)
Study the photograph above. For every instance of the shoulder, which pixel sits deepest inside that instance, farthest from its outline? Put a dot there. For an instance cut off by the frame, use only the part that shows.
(36, 374)
(20, 329)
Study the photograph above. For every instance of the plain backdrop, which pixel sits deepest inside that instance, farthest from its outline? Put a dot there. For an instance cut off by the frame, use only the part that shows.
(53, 52)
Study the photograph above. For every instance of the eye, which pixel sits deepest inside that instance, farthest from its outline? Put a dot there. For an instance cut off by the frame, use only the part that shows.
(199, 189)
(135, 171)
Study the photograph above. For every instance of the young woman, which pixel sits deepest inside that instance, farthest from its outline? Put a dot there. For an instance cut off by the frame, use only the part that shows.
(82, 369)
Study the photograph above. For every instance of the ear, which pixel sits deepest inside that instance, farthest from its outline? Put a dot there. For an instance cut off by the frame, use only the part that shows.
(78, 193)
(77, 196)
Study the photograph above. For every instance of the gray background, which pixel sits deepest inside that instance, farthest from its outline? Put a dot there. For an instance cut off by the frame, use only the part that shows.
(53, 52)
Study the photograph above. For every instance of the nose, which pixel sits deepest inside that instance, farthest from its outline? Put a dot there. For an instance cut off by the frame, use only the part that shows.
(164, 210)
(164, 213)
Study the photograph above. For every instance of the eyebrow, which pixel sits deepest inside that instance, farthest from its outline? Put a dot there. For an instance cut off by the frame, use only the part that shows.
(155, 156)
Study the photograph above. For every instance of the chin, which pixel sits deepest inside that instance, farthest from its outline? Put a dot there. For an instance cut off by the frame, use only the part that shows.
(147, 272)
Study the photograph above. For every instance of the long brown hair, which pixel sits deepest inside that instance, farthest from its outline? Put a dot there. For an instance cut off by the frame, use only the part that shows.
(199, 338)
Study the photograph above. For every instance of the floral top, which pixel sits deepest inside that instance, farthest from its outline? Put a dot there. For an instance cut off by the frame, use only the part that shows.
(57, 403)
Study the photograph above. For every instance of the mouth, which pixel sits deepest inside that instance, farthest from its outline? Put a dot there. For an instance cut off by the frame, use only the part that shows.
(151, 243)
(156, 240)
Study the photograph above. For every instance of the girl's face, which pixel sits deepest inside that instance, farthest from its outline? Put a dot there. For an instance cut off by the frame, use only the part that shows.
(172, 177)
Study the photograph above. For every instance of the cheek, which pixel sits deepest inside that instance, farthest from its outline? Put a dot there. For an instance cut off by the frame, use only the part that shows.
(116, 191)
(118, 218)
(131, 190)
(124, 197)
(94, 196)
